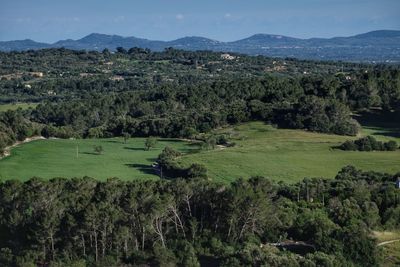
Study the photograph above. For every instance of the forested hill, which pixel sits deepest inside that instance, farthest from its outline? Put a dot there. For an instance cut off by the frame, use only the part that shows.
(376, 46)
(177, 93)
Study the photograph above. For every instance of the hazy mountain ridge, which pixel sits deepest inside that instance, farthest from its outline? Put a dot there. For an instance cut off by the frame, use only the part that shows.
(380, 46)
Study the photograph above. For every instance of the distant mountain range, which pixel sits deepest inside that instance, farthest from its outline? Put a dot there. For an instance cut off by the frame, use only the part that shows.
(379, 46)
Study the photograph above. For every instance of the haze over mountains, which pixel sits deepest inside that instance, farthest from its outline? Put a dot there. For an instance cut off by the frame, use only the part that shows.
(375, 46)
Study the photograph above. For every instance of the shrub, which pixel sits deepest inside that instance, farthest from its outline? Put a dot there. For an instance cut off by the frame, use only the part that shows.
(368, 143)
(391, 146)
(197, 170)
(349, 145)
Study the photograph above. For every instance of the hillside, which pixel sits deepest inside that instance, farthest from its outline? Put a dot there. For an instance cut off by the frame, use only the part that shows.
(380, 46)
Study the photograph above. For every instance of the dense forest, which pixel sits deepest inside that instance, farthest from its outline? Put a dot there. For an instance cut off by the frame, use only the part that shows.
(178, 93)
(254, 222)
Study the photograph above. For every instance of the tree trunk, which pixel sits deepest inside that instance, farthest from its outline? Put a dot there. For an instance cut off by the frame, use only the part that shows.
(83, 245)
(52, 246)
(188, 204)
(126, 246)
(143, 236)
(95, 246)
(158, 229)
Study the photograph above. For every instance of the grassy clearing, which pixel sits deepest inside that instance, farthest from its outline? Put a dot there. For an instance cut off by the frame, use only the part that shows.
(281, 154)
(382, 236)
(390, 252)
(289, 155)
(57, 158)
(14, 106)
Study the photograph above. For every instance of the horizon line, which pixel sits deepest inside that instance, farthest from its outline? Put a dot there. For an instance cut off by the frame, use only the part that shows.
(191, 36)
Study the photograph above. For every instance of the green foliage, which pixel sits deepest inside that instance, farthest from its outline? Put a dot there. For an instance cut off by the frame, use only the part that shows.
(80, 222)
(180, 94)
(197, 171)
(369, 143)
(126, 137)
(150, 143)
(167, 155)
(192, 92)
(98, 149)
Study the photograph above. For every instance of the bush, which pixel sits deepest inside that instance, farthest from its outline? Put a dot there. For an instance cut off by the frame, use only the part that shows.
(348, 146)
(368, 143)
(197, 170)
(364, 144)
(391, 146)
(98, 149)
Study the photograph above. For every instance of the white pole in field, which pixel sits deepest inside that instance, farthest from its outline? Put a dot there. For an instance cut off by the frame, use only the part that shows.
(77, 151)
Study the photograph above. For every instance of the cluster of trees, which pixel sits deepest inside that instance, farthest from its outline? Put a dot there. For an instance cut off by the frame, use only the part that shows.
(14, 126)
(168, 167)
(369, 143)
(188, 222)
(317, 114)
(184, 110)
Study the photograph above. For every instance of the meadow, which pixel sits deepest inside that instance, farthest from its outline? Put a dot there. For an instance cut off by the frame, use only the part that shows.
(290, 155)
(59, 158)
(14, 106)
(260, 150)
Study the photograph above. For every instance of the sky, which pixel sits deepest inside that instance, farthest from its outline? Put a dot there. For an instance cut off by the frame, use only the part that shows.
(223, 20)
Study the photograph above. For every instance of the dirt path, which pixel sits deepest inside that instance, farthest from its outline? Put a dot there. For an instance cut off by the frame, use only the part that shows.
(7, 150)
(388, 242)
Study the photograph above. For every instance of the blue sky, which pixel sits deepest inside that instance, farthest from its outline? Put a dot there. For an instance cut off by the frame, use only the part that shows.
(224, 20)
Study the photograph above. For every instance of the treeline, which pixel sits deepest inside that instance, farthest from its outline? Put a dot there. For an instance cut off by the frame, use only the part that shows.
(85, 222)
(181, 111)
(369, 143)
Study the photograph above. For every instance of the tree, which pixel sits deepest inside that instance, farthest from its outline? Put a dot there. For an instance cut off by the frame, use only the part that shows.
(98, 149)
(168, 154)
(150, 143)
(209, 143)
(126, 137)
(391, 145)
(197, 170)
(121, 50)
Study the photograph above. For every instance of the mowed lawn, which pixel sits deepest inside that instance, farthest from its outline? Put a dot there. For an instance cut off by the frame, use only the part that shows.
(290, 155)
(57, 158)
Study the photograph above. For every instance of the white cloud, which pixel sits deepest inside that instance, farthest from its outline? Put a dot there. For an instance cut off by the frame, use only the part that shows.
(227, 15)
(179, 17)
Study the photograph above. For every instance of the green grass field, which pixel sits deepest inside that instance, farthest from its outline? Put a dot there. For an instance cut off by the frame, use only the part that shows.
(57, 158)
(290, 155)
(5, 107)
(281, 154)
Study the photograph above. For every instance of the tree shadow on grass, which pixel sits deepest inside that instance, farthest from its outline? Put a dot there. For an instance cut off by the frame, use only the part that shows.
(169, 140)
(148, 169)
(90, 153)
(114, 141)
(385, 123)
(389, 133)
(134, 148)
